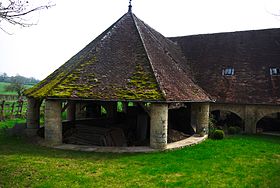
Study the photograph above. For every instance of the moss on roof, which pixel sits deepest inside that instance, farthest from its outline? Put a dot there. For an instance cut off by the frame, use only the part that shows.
(128, 61)
(141, 86)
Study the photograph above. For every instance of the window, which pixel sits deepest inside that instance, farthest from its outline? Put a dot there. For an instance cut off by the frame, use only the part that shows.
(228, 72)
(274, 71)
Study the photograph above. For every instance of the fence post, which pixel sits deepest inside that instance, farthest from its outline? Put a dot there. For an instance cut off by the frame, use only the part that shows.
(6, 110)
(19, 109)
(12, 110)
(2, 111)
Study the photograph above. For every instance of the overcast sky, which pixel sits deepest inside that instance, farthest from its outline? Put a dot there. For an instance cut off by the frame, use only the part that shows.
(65, 29)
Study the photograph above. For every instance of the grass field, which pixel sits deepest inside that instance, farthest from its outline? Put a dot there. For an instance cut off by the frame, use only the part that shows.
(238, 161)
(9, 102)
(2, 89)
(4, 84)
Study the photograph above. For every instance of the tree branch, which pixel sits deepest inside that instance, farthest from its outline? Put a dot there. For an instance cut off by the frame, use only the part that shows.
(14, 12)
(32, 10)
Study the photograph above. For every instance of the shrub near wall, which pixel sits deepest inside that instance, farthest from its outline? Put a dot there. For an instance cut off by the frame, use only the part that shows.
(218, 135)
(231, 130)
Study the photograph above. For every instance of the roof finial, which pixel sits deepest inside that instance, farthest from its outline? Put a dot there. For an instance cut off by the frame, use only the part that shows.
(129, 6)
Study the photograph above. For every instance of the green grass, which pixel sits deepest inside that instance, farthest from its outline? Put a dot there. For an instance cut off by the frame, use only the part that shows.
(237, 161)
(10, 123)
(3, 92)
(2, 89)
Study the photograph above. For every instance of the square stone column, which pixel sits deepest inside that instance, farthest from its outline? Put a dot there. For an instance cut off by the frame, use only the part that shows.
(33, 116)
(250, 119)
(71, 111)
(200, 117)
(93, 110)
(53, 124)
(80, 113)
(159, 126)
(111, 108)
(125, 106)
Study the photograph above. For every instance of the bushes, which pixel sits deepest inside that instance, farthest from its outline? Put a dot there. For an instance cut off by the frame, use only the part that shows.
(231, 130)
(238, 130)
(217, 130)
(218, 135)
(215, 133)
(234, 130)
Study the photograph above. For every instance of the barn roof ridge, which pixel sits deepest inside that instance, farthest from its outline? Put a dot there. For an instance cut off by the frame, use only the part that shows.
(251, 54)
(224, 33)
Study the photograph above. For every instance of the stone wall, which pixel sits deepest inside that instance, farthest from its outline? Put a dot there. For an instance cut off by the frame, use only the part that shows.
(250, 114)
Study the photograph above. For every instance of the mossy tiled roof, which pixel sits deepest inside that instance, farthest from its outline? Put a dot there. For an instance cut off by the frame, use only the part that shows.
(128, 61)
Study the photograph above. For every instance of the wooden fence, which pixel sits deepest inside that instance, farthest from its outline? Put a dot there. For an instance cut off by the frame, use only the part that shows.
(9, 110)
(8, 97)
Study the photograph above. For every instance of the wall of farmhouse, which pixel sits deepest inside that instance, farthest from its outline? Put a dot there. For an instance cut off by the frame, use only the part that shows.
(250, 114)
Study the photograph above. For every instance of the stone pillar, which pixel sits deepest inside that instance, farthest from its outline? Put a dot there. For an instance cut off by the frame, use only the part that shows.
(80, 112)
(111, 108)
(33, 116)
(53, 124)
(200, 117)
(142, 126)
(93, 110)
(71, 111)
(250, 119)
(125, 106)
(159, 126)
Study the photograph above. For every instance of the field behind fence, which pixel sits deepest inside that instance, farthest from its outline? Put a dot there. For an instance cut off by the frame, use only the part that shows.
(12, 109)
(10, 106)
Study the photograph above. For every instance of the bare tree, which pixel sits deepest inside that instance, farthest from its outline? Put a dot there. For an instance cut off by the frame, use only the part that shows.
(14, 12)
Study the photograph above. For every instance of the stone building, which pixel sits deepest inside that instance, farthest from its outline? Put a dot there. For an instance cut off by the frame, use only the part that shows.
(132, 62)
(239, 70)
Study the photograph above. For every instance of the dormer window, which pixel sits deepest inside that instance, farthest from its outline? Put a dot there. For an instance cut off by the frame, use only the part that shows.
(274, 71)
(228, 71)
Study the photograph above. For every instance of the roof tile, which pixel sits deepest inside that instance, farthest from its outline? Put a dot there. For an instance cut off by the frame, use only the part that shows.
(128, 61)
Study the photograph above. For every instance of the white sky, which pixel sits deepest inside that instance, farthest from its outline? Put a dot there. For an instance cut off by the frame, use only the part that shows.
(65, 29)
